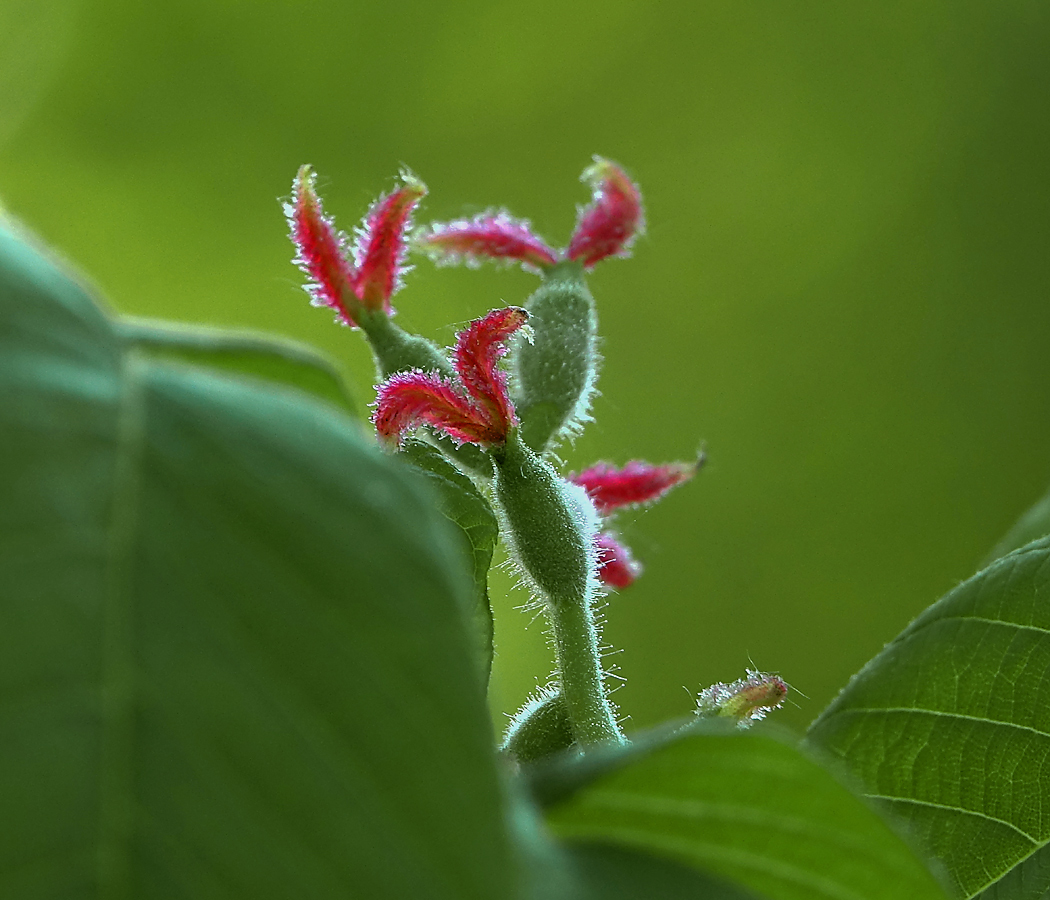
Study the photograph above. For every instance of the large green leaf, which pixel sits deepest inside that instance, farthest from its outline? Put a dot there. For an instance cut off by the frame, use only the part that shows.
(244, 353)
(460, 500)
(1032, 525)
(233, 653)
(749, 807)
(950, 728)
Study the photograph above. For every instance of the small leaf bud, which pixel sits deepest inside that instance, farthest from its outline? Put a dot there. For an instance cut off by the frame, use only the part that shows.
(746, 700)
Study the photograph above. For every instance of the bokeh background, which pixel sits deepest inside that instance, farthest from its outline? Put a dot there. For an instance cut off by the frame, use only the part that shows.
(844, 290)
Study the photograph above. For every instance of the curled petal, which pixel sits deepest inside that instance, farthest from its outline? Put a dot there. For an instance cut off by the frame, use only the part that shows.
(746, 700)
(609, 224)
(321, 250)
(478, 350)
(617, 568)
(381, 246)
(495, 236)
(636, 483)
(410, 399)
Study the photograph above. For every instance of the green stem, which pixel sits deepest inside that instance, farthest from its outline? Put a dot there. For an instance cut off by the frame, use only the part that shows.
(396, 350)
(580, 668)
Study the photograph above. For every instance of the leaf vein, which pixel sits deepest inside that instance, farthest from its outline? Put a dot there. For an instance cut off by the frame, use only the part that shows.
(949, 808)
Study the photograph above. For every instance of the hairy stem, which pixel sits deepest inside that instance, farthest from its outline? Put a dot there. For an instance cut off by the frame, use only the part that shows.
(580, 670)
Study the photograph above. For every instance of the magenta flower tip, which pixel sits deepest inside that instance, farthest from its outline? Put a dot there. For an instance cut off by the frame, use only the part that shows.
(479, 348)
(492, 235)
(612, 220)
(410, 399)
(617, 568)
(381, 248)
(477, 409)
(637, 483)
(320, 249)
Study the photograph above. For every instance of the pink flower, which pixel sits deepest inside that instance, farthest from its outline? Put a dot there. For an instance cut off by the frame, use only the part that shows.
(476, 409)
(635, 484)
(496, 236)
(366, 281)
(617, 568)
(609, 225)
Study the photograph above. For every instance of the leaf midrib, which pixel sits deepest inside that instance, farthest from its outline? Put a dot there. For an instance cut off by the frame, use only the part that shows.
(117, 688)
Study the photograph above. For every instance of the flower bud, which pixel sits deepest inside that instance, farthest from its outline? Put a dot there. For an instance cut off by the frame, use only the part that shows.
(555, 372)
(746, 700)
(540, 728)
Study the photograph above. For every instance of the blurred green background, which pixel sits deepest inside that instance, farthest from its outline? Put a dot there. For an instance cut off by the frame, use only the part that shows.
(844, 291)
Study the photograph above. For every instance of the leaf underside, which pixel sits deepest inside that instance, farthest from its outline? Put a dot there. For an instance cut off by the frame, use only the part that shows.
(233, 660)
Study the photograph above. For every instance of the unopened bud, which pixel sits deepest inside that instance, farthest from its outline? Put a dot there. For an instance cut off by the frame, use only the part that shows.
(541, 727)
(556, 371)
(746, 700)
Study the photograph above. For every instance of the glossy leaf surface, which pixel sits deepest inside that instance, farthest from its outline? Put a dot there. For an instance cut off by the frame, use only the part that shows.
(1032, 525)
(949, 728)
(747, 807)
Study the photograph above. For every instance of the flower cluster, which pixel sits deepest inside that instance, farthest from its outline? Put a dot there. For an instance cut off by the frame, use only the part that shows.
(501, 427)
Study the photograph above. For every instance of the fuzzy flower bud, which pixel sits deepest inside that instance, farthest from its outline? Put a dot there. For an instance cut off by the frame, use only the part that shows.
(381, 246)
(746, 700)
(320, 250)
(492, 235)
(612, 220)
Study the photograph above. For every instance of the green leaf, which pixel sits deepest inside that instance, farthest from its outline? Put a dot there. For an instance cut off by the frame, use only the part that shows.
(605, 872)
(745, 806)
(949, 727)
(244, 353)
(586, 870)
(1032, 525)
(233, 661)
(463, 504)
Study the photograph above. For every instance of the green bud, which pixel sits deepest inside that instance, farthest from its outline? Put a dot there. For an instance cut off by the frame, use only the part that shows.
(555, 373)
(540, 728)
(550, 524)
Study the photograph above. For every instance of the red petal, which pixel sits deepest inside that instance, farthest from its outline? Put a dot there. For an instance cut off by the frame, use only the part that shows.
(320, 249)
(493, 235)
(608, 226)
(617, 568)
(381, 248)
(637, 482)
(478, 350)
(410, 399)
